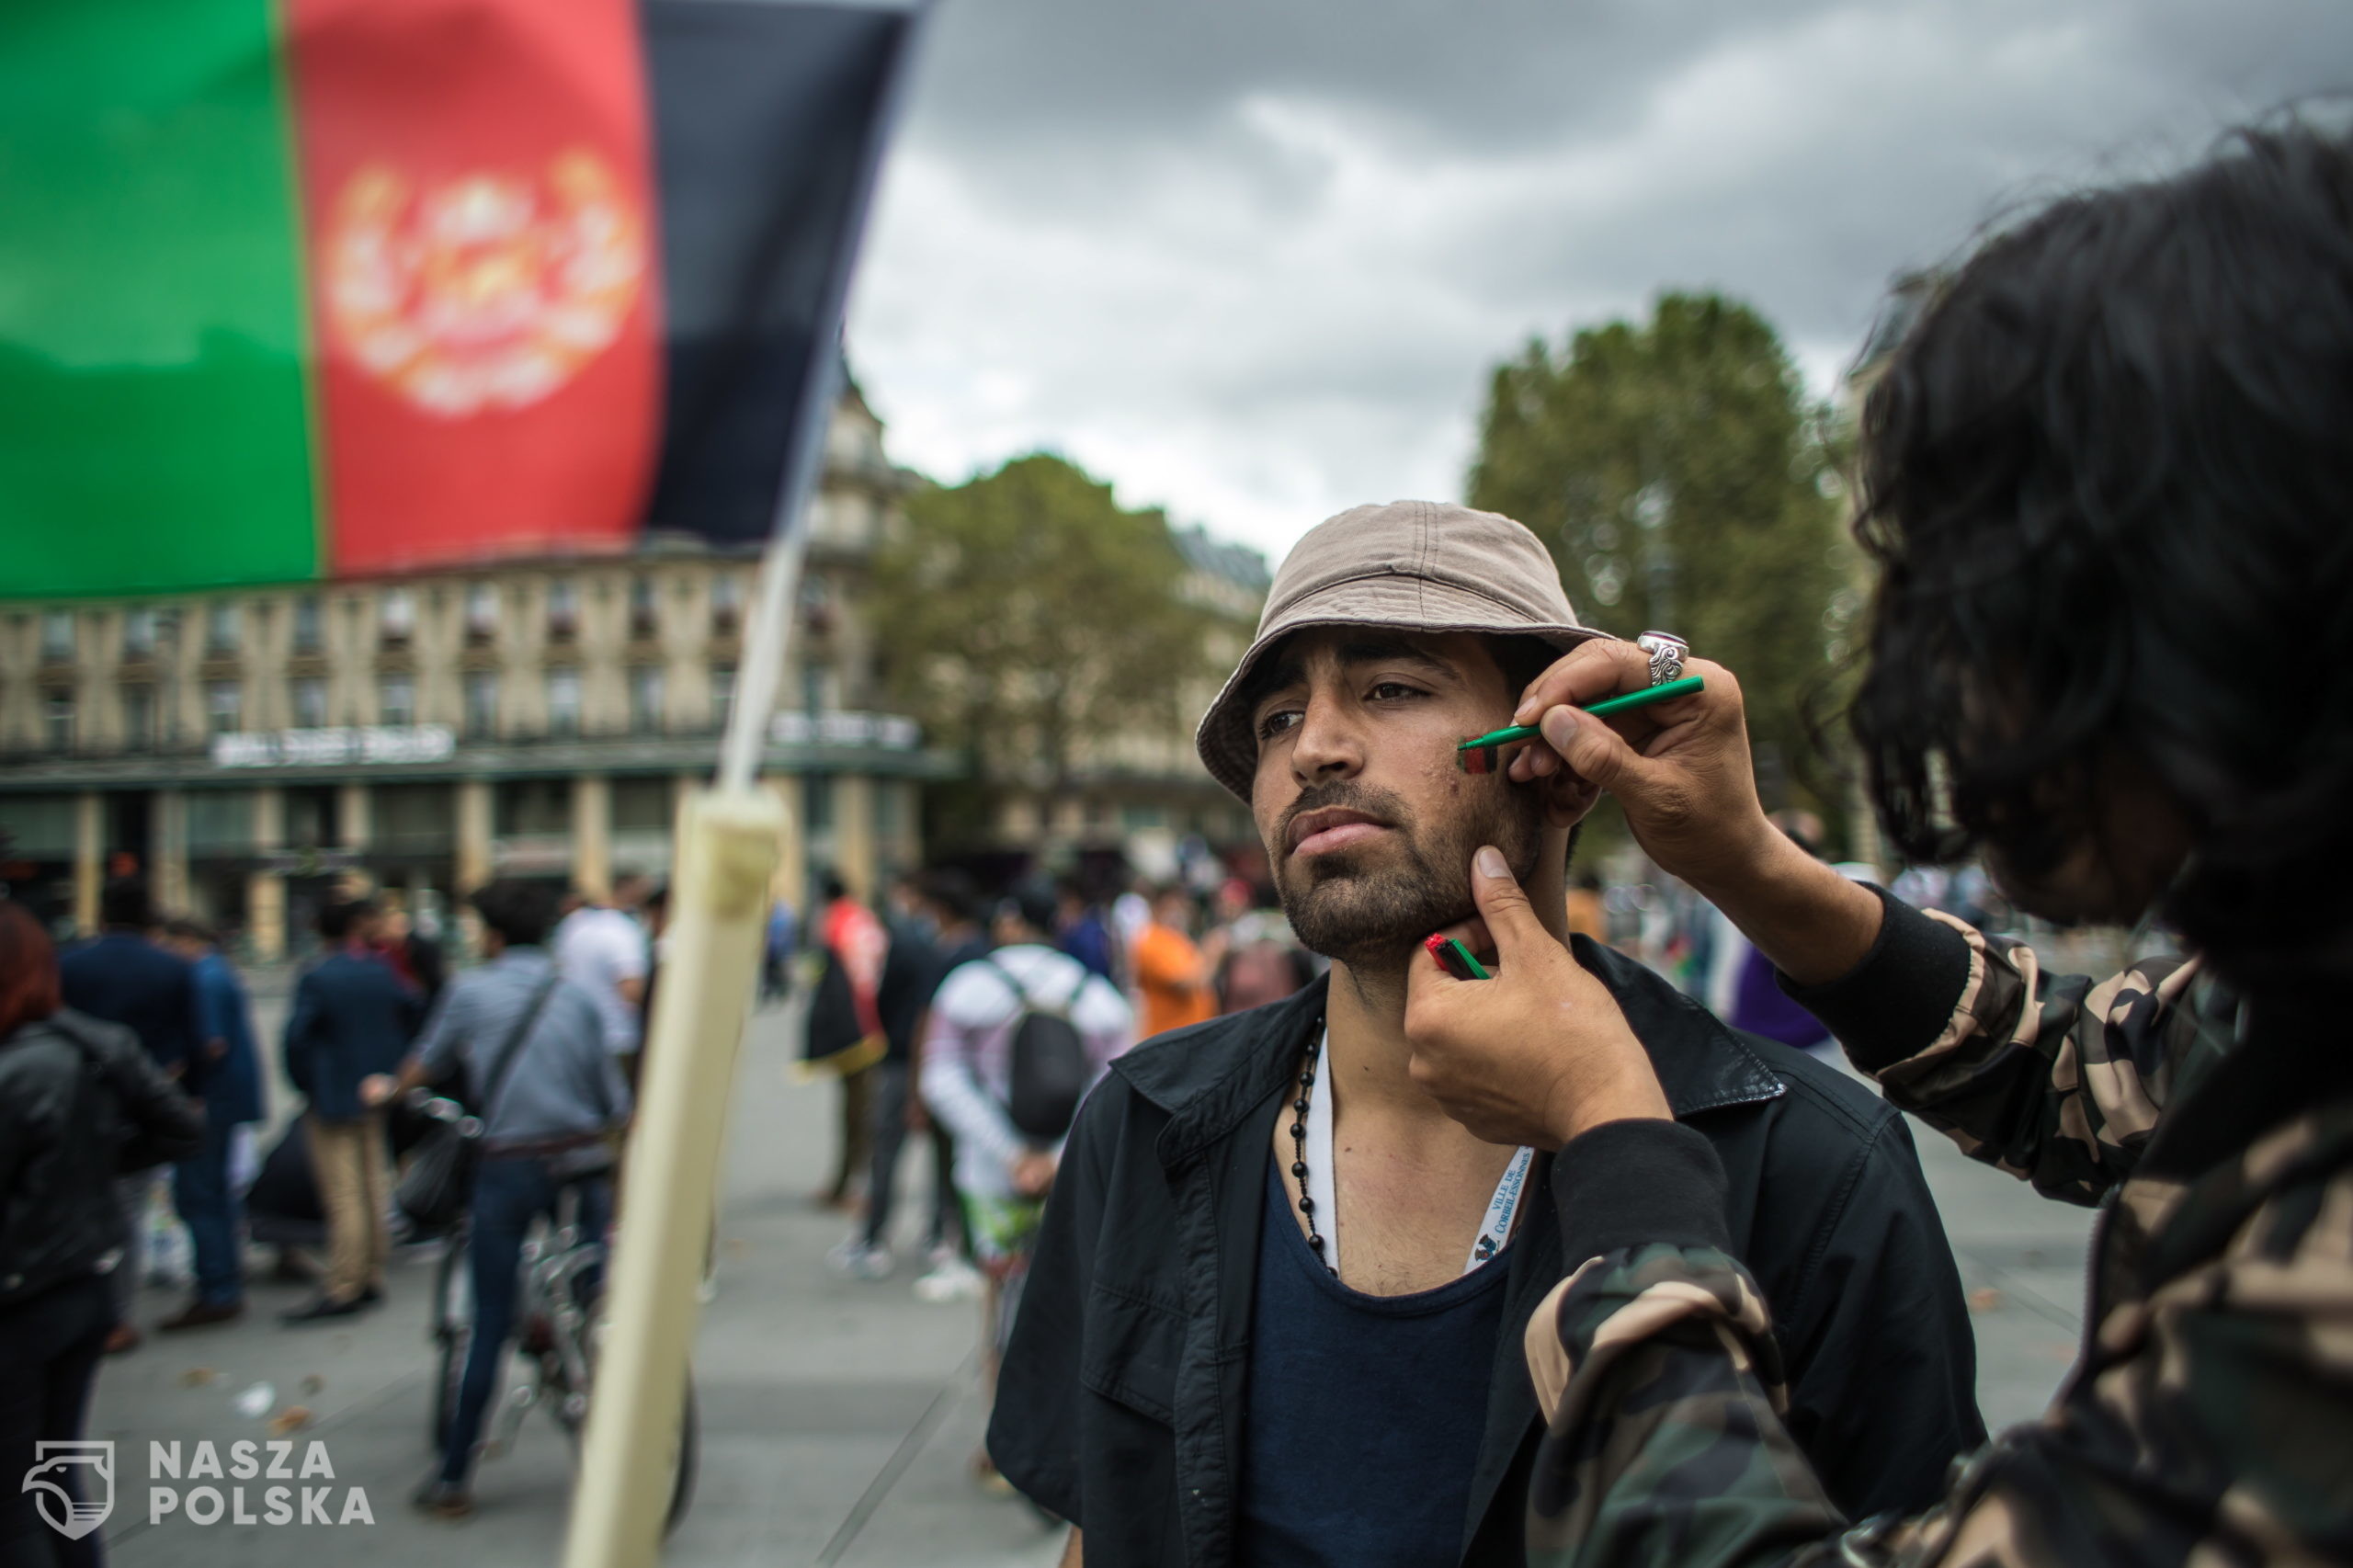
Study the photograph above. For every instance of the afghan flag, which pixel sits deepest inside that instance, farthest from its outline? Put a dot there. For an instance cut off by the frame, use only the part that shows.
(305, 288)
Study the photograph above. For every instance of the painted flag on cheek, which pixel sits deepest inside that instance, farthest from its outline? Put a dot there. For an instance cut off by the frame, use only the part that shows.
(299, 288)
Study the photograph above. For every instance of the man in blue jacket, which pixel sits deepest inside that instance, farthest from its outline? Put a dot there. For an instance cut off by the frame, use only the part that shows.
(352, 1018)
(200, 1184)
(123, 977)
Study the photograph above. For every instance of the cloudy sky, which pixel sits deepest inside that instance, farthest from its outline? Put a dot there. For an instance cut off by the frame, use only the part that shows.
(1251, 259)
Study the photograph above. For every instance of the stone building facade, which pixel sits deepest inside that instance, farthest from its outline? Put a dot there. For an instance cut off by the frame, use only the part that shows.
(247, 749)
(1140, 798)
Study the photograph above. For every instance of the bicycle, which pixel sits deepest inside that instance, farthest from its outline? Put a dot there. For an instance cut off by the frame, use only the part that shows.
(557, 1330)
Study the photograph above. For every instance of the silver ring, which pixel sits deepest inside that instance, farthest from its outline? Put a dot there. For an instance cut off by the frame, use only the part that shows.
(1667, 651)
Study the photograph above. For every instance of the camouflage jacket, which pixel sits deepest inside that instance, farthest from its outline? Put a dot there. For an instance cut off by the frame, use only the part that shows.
(2208, 1419)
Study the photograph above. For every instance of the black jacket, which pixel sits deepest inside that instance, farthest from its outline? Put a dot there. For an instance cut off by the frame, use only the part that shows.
(80, 1103)
(352, 1018)
(122, 978)
(1120, 1404)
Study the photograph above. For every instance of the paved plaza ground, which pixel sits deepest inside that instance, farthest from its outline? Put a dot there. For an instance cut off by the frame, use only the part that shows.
(837, 1416)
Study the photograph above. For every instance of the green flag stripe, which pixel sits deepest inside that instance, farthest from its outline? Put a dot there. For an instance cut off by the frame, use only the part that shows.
(152, 426)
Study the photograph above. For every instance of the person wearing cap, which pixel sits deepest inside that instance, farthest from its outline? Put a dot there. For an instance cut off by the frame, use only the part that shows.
(1276, 1305)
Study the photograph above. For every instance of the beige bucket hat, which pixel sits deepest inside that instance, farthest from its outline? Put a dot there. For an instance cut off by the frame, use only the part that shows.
(1410, 566)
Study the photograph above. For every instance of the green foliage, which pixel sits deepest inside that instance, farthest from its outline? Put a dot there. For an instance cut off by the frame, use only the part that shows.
(1679, 477)
(1026, 617)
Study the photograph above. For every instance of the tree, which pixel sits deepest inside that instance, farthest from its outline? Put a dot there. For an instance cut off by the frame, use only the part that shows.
(1680, 479)
(1026, 616)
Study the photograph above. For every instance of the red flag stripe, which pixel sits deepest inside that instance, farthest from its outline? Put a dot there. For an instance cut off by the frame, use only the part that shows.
(482, 260)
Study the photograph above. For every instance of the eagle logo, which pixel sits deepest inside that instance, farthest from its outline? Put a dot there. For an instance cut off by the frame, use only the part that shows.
(490, 291)
(65, 1506)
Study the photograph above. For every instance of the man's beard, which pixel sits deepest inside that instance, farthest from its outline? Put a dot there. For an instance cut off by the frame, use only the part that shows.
(1372, 908)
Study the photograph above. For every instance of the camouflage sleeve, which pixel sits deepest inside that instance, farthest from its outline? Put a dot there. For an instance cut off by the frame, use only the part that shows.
(2206, 1424)
(2055, 1079)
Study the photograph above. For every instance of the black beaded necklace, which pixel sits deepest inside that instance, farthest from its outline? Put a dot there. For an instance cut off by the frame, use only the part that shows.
(1299, 1146)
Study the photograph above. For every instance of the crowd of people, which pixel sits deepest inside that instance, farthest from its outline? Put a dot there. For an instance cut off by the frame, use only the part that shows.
(901, 995)
(131, 1058)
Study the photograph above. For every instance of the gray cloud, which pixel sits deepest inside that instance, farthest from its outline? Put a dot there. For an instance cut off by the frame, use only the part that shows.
(1254, 258)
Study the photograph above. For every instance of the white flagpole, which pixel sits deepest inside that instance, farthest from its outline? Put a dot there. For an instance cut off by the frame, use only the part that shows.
(730, 840)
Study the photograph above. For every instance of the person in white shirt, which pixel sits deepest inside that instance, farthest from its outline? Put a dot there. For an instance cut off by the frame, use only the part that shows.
(1002, 1175)
(601, 947)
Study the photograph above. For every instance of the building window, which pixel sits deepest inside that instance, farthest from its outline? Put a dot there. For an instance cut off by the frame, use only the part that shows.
(817, 802)
(723, 692)
(396, 618)
(564, 610)
(221, 627)
(821, 689)
(641, 608)
(645, 700)
(56, 636)
(396, 701)
(57, 720)
(564, 702)
(224, 707)
(726, 603)
(139, 718)
(307, 696)
(482, 612)
(306, 624)
(482, 704)
(139, 633)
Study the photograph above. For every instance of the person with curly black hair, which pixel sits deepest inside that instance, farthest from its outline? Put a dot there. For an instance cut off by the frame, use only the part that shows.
(2108, 486)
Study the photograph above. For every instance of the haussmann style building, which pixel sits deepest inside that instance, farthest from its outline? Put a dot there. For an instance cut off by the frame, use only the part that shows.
(247, 750)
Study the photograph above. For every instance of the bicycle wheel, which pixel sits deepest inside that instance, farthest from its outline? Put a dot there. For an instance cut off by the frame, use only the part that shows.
(452, 1330)
(571, 1414)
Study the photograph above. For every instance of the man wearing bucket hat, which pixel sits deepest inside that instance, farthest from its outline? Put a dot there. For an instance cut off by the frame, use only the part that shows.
(1275, 1309)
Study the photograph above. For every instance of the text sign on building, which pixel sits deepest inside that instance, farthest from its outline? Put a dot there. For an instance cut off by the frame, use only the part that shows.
(885, 730)
(337, 747)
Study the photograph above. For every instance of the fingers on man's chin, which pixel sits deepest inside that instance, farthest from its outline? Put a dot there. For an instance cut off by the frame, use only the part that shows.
(1472, 933)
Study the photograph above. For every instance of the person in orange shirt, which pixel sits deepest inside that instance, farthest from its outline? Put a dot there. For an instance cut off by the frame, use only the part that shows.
(1587, 917)
(1172, 977)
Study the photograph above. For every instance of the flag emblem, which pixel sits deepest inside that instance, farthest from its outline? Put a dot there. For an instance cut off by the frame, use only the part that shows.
(490, 291)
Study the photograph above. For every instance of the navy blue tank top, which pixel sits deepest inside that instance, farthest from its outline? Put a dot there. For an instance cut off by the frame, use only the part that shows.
(1364, 1412)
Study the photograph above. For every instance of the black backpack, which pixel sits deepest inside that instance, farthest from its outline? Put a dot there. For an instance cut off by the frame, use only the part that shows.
(1050, 1069)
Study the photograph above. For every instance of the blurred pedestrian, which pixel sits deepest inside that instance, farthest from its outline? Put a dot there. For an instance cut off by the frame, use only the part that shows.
(124, 978)
(968, 1072)
(535, 1047)
(202, 1189)
(845, 1026)
(776, 962)
(80, 1101)
(352, 1020)
(1080, 930)
(1172, 977)
(1758, 1003)
(601, 947)
(938, 930)
(1589, 916)
(1263, 964)
(415, 956)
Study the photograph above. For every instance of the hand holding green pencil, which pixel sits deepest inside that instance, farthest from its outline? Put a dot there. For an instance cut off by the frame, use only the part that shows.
(1480, 754)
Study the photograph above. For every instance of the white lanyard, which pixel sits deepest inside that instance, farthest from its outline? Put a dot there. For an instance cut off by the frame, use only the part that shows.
(1493, 1231)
